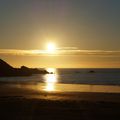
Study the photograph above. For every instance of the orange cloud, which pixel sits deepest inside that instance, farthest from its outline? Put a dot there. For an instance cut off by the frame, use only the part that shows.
(60, 51)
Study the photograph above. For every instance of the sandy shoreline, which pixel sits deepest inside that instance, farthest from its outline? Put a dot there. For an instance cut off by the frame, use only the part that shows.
(28, 104)
(17, 108)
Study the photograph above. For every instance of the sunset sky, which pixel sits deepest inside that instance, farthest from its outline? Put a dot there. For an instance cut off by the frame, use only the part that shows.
(85, 33)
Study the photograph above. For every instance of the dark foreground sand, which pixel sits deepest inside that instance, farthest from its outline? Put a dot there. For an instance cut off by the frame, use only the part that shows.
(19, 104)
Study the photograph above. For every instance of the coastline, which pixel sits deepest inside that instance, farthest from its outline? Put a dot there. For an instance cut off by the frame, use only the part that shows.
(28, 105)
(18, 103)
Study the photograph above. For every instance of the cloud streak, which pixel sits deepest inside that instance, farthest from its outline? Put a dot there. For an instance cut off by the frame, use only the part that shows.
(60, 51)
(91, 52)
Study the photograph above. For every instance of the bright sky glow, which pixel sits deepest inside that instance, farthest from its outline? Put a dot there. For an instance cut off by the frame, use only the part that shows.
(60, 33)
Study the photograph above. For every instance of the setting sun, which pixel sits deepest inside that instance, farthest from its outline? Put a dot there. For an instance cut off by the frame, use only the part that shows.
(51, 47)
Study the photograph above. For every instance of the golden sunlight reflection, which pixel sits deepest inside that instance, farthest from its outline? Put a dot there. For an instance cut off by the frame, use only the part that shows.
(49, 87)
(50, 80)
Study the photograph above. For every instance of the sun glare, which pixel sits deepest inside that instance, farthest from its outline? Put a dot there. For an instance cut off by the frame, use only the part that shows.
(51, 70)
(51, 47)
(50, 80)
(50, 87)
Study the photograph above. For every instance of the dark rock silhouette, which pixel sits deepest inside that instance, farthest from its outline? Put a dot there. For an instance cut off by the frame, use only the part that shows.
(7, 70)
(91, 71)
(33, 70)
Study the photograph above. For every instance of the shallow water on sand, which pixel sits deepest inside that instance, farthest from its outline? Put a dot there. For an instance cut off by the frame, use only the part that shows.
(45, 87)
(60, 92)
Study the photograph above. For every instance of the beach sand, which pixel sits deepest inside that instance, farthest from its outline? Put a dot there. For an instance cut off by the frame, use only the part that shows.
(26, 104)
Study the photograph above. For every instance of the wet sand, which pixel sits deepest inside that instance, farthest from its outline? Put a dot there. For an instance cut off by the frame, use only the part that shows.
(17, 103)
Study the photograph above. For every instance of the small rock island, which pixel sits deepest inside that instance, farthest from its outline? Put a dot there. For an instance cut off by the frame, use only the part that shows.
(7, 70)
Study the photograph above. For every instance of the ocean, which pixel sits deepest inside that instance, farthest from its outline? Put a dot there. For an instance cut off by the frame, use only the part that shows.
(68, 80)
(73, 76)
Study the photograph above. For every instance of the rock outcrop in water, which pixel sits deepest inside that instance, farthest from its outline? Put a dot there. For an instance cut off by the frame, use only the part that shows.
(7, 70)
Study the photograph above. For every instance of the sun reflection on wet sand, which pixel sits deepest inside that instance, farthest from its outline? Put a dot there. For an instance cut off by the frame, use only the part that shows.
(49, 87)
(50, 80)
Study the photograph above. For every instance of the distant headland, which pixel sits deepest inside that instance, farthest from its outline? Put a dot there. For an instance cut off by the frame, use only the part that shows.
(7, 70)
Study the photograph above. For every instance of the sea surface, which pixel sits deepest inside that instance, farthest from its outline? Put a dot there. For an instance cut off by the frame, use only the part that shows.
(73, 76)
(69, 80)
